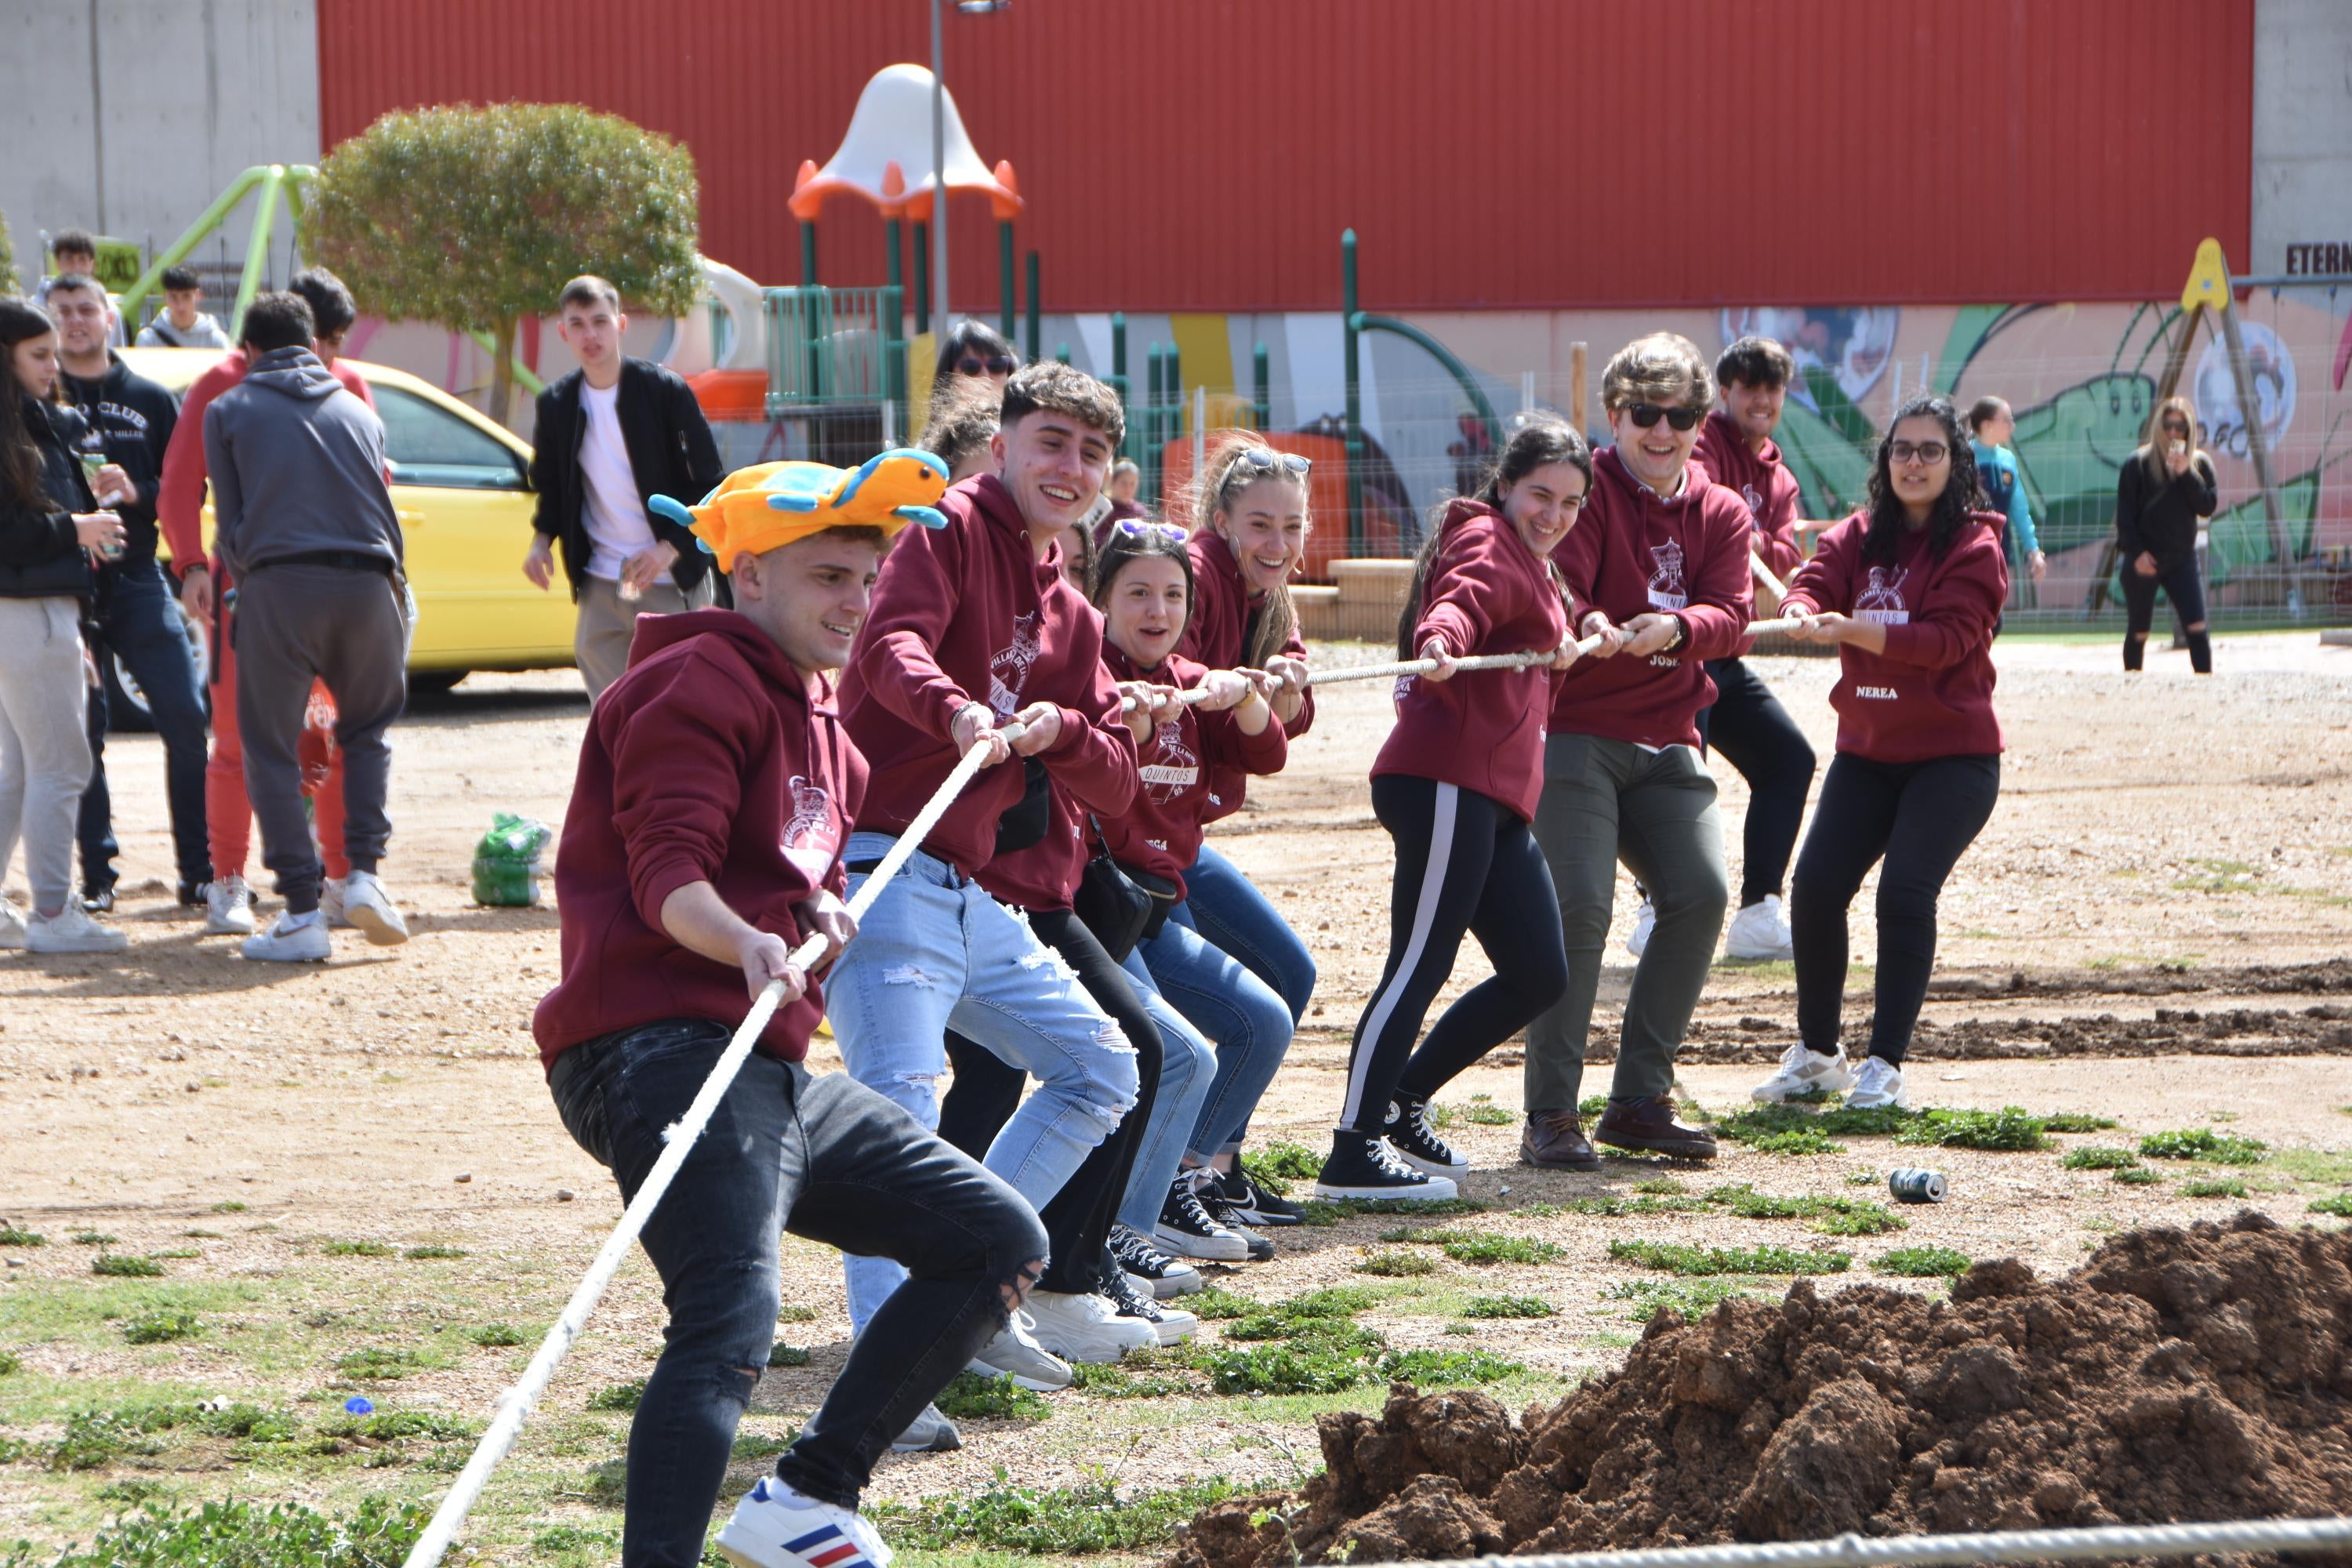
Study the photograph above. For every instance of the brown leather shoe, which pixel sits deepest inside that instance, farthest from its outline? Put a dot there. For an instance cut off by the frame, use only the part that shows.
(1554, 1141)
(1649, 1126)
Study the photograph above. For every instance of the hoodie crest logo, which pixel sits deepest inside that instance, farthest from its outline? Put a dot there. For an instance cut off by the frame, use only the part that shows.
(1882, 599)
(1008, 671)
(809, 837)
(1666, 590)
(1175, 766)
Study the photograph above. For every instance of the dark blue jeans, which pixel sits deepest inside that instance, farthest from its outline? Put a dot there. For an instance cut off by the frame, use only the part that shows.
(824, 1158)
(1226, 909)
(140, 624)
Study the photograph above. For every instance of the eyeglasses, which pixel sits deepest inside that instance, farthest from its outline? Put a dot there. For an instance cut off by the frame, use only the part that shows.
(1647, 414)
(2175, 427)
(995, 365)
(1266, 460)
(1928, 452)
(1136, 529)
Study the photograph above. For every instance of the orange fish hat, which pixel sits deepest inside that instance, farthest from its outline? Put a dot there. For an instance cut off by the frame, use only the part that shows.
(768, 505)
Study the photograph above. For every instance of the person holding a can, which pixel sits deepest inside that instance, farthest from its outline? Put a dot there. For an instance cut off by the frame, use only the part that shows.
(2165, 488)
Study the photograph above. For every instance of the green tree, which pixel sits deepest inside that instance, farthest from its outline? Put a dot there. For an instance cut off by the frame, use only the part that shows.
(8, 284)
(474, 218)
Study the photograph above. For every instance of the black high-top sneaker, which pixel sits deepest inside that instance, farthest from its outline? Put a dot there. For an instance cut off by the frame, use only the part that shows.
(1416, 1143)
(1362, 1165)
(1251, 1202)
(1189, 1230)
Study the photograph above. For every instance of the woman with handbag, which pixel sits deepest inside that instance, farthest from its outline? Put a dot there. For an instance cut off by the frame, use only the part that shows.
(1144, 586)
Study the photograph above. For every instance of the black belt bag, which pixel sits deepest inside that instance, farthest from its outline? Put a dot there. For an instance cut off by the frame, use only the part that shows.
(1120, 905)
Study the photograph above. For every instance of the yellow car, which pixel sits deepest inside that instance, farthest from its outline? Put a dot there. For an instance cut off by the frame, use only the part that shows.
(460, 483)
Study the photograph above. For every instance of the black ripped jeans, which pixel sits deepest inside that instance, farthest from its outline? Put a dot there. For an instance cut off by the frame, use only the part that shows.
(824, 1158)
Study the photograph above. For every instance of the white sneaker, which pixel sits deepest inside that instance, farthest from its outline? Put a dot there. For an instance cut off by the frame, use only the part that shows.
(12, 926)
(1016, 1354)
(331, 904)
(370, 908)
(72, 930)
(295, 939)
(1876, 1085)
(1804, 1071)
(1645, 920)
(930, 1433)
(776, 1527)
(1085, 1328)
(229, 907)
(1760, 930)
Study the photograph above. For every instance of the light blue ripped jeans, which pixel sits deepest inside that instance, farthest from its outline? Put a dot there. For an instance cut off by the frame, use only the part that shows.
(1187, 1067)
(935, 952)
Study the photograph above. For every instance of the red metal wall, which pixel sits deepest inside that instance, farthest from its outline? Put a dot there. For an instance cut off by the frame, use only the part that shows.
(1204, 154)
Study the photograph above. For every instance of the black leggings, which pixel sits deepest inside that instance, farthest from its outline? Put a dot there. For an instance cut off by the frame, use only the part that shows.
(1756, 735)
(1921, 816)
(2180, 583)
(1465, 864)
(986, 1091)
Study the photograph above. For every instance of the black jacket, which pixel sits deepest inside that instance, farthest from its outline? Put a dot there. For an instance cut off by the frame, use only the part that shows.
(670, 451)
(2159, 512)
(130, 421)
(41, 556)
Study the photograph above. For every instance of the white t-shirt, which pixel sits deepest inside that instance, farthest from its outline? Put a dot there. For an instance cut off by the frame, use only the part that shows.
(610, 505)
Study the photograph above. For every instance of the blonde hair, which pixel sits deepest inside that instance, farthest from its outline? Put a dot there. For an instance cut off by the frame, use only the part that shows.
(1663, 368)
(1222, 476)
(2152, 454)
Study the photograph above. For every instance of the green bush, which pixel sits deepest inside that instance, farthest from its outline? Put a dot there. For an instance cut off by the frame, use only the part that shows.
(782, 1354)
(1287, 1162)
(11, 1236)
(2204, 1143)
(229, 1534)
(1924, 1262)
(2137, 1176)
(2095, 1157)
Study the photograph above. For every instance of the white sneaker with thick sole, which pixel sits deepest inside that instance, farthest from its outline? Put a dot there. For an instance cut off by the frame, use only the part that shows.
(367, 906)
(12, 926)
(229, 907)
(1877, 1084)
(1645, 920)
(776, 1527)
(1760, 930)
(294, 939)
(1085, 1328)
(931, 1432)
(331, 904)
(1803, 1072)
(72, 930)
(1016, 1354)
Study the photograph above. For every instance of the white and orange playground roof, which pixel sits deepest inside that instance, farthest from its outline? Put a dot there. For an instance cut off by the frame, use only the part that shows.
(890, 134)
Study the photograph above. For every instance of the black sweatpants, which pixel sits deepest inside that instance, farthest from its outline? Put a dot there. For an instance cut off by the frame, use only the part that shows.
(2180, 582)
(1755, 733)
(1920, 817)
(986, 1091)
(1465, 864)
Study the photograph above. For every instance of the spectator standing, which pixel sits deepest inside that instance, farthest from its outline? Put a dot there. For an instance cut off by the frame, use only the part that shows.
(2165, 490)
(973, 351)
(612, 436)
(184, 323)
(1991, 428)
(76, 255)
(48, 526)
(304, 518)
(130, 421)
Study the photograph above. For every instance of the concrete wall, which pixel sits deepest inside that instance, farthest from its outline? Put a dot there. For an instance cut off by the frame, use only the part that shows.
(2303, 139)
(128, 117)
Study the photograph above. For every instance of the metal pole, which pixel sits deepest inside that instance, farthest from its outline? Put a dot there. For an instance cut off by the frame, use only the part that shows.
(1004, 272)
(1119, 373)
(939, 171)
(1031, 286)
(256, 250)
(893, 262)
(1355, 431)
(922, 277)
(808, 255)
(1156, 372)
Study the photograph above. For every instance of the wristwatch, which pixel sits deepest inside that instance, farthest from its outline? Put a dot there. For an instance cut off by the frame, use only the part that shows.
(1677, 640)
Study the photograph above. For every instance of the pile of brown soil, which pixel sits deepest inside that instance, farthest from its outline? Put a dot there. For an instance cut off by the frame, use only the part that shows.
(2179, 1375)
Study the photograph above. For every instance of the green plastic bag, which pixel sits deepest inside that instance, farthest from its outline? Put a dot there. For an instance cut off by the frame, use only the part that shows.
(505, 862)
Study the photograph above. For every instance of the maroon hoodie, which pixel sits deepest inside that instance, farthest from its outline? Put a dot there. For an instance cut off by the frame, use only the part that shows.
(1762, 480)
(1218, 637)
(1930, 693)
(1485, 592)
(1044, 876)
(968, 613)
(1631, 553)
(1160, 831)
(707, 761)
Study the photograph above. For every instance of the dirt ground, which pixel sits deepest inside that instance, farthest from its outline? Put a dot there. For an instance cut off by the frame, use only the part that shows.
(2156, 928)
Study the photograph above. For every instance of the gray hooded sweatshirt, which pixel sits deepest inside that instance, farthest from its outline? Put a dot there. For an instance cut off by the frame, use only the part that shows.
(203, 333)
(297, 465)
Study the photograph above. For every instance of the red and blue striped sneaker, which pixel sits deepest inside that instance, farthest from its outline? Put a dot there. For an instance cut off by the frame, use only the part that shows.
(776, 1527)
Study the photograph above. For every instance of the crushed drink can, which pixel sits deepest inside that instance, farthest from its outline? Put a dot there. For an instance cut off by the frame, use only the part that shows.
(1916, 1185)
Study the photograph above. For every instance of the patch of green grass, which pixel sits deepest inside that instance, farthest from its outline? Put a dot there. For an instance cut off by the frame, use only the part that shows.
(194, 1235)
(1831, 1217)
(358, 1249)
(1507, 1307)
(1218, 1302)
(794, 1312)
(1924, 1262)
(494, 1336)
(782, 1354)
(972, 1398)
(2204, 1143)
(1487, 1115)
(1857, 1216)
(122, 1265)
(1447, 1368)
(1392, 1264)
(430, 1254)
(620, 1396)
(160, 1328)
(1687, 1299)
(1660, 1185)
(94, 1239)
(2217, 876)
(757, 1446)
(1322, 1211)
(1053, 1524)
(2078, 1122)
(391, 1426)
(177, 1252)
(1795, 1141)
(2221, 1187)
(228, 1205)
(1478, 1246)
(2333, 1167)
(233, 1534)
(2008, 1130)
(2137, 1176)
(1287, 1160)
(1589, 1108)
(1118, 1383)
(2098, 1157)
(1676, 1257)
(11, 1236)
(565, 1538)
(1331, 1301)
(376, 1364)
(2339, 1204)
(10, 1362)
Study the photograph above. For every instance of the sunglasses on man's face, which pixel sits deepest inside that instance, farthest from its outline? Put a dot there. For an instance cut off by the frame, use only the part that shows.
(1646, 415)
(1266, 460)
(995, 365)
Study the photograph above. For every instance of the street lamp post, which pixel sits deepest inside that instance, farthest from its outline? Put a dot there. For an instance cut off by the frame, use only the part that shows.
(939, 154)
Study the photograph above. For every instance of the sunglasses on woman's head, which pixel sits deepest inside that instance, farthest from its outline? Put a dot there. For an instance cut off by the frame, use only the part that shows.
(1646, 415)
(1266, 460)
(995, 365)
(1142, 529)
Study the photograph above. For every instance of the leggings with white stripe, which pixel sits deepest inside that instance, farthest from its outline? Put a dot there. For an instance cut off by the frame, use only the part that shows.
(1465, 863)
